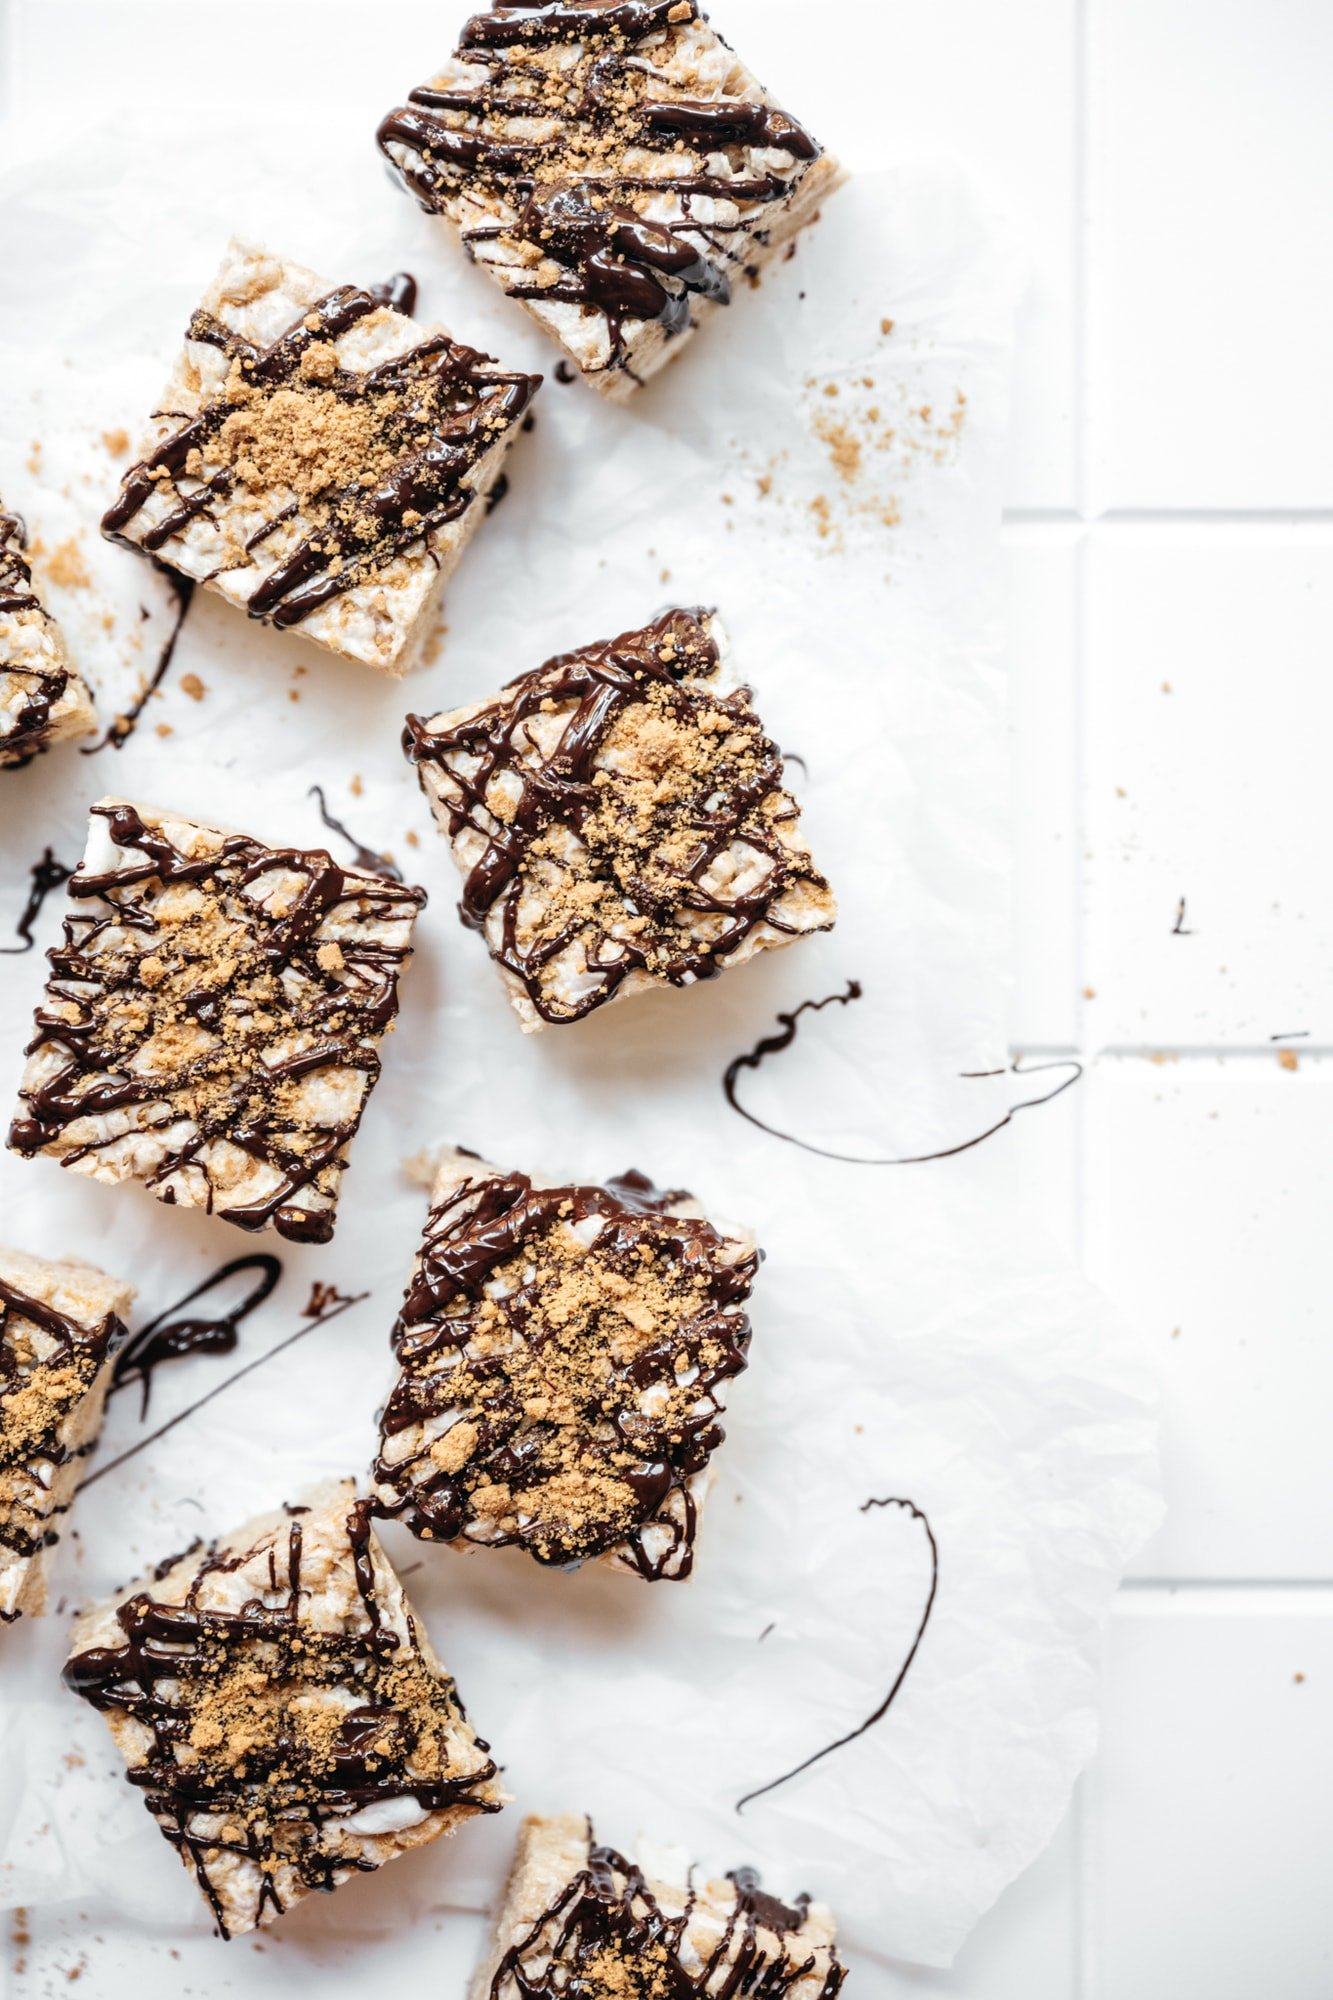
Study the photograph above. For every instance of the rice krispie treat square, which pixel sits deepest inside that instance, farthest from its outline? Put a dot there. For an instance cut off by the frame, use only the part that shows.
(318, 458)
(281, 1710)
(578, 1917)
(611, 164)
(562, 1353)
(43, 699)
(212, 1019)
(60, 1326)
(620, 821)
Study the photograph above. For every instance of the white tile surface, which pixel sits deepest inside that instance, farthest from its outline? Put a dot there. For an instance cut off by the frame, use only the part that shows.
(1206, 1203)
(1210, 308)
(1209, 714)
(1043, 577)
(1210, 1866)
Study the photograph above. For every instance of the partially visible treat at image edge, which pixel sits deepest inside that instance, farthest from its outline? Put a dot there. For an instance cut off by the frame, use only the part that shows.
(611, 164)
(61, 1324)
(212, 1018)
(577, 1916)
(620, 821)
(43, 698)
(562, 1354)
(319, 458)
(281, 1710)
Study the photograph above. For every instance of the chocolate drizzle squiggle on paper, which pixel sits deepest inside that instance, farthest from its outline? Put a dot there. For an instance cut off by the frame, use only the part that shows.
(260, 1361)
(166, 1337)
(46, 875)
(879, 1713)
(771, 1045)
(121, 730)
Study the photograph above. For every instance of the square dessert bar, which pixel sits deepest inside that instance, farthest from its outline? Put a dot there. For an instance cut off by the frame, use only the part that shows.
(612, 165)
(620, 822)
(60, 1326)
(281, 1710)
(43, 700)
(578, 1917)
(319, 458)
(562, 1352)
(211, 1021)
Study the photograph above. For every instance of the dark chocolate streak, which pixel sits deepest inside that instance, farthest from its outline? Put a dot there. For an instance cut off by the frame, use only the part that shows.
(605, 681)
(879, 1713)
(45, 684)
(649, 1459)
(365, 857)
(771, 1045)
(612, 259)
(165, 1337)
(608, 1910)
(448, 408)
(319, 1316)
(182, 589)
(279, 1788)
(69, 1371)
(399, 293)
(46, 875)
(343, 1013)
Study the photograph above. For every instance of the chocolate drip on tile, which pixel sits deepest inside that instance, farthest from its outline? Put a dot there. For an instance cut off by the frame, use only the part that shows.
(569, 203)
(48, 1363)
(189, 1674)
(41, 686)
(562, 1355)
(606, 1932)
(204, 1019)
(44, 876)
(168, 1337)
(628, 829)
(377, 459)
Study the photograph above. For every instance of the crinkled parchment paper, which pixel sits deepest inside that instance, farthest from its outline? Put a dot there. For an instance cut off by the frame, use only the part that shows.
(823, 465)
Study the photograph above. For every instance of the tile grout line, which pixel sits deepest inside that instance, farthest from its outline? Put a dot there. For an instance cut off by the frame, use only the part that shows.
(1083, 1969)
(1162, 1054)
(1166, 517)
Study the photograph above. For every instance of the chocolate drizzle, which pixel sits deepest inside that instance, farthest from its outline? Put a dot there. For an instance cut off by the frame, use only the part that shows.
(435, 410)
(770, 1045)
(43, 681)
(47, 1366)
(365, 857)
(662, 866)
(182, 590)
(165, 1338)
(273, 1805)
(46, 875)
(587, 1409)
(202, 1025)
(605, 1931)
(574, 201)
(398, 293)
(879, 1713)
(317, 1313)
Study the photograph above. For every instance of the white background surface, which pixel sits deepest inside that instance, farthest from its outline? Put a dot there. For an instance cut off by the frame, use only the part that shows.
(1171, 523)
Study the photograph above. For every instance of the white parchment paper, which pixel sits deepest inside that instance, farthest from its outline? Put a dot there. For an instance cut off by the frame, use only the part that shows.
(823, 466)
